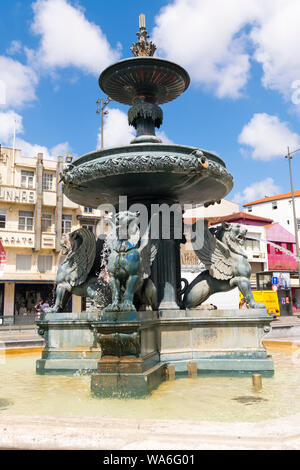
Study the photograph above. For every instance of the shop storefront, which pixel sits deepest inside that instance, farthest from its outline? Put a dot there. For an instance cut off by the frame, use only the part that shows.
(28, 295)
(296, 299)
(284, 283)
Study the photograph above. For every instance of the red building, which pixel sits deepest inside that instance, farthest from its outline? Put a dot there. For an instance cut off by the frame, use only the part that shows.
(278, 259)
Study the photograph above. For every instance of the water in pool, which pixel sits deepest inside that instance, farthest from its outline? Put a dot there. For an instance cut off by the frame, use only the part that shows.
(23, 392)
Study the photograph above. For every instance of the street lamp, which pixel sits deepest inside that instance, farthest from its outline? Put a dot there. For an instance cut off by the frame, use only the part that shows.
(101, 110)
(290, 157)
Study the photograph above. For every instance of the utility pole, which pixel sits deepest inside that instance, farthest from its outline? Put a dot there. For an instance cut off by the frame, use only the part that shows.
(290, 157)
(102, 112)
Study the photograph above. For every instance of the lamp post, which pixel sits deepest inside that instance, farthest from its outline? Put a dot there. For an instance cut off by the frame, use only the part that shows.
(101, 110)
(289, 156)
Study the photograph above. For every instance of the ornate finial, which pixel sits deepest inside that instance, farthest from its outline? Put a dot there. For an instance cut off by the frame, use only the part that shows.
(142, 47)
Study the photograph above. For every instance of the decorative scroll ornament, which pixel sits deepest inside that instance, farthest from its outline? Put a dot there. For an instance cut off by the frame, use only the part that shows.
(142, 47)
(74, 176)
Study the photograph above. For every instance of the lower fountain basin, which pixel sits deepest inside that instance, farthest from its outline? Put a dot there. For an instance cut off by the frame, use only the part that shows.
(206, 398)
(147, 171)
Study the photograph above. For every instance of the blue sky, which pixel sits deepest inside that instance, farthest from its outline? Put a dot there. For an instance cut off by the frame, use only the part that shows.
(243, 61)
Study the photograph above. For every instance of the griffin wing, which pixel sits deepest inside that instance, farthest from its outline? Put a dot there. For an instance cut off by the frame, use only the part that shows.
(147, 256)
(212, 252)
(101, 257)
(82, 259)
(148, 250)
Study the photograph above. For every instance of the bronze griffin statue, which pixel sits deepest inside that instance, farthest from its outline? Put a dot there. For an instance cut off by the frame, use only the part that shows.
(126, 257)
(80, 271)
(226, 263)
(129, 261)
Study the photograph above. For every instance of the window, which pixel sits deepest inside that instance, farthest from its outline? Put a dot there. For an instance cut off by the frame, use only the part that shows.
(25, 220)
(46, 222)
(27, 179)
(2, 218)
(249, 208)
(89, 227)
(47, 181)
(277, 250)
(252, 245)
(66, 223)
(88, 209)
(44, 263)
(289, 247)
(23, 263)
(264, 281)
(298, 224)
(274, 205)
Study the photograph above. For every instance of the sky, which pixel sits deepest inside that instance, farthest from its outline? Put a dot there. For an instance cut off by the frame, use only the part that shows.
(243, 59)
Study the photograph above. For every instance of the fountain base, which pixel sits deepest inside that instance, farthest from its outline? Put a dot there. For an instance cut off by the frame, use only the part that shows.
(128, 352)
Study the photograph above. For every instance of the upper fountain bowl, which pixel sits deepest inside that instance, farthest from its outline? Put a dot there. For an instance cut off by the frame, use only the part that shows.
(156, 80)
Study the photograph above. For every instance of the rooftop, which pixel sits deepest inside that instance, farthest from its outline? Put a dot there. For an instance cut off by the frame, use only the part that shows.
(232, 218)
(273, 198)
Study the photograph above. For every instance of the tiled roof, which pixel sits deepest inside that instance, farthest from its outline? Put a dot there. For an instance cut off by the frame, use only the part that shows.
(230, 218)
(273, 198)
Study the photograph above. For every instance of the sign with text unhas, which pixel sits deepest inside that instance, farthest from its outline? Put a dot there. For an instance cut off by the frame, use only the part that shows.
(9, 194)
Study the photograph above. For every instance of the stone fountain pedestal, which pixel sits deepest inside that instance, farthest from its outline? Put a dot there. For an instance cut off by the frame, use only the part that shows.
(130, 363)
(69, 343)
(128, 353)
(217, 341)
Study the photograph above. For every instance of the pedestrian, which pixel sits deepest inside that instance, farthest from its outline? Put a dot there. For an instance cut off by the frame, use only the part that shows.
(39, 308)
(45, 306)
(243, 303)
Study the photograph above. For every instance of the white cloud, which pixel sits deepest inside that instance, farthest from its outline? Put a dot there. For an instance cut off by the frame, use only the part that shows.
(7, 125)
(218, 40)
(68, 38)
(211, 43)
(268, 137)
(17, 83)
(30, 150)
(276, 40)
(14, 48)
(61, 149)
(164, 138)
(8, 121)
(118, 132)
(258, 190)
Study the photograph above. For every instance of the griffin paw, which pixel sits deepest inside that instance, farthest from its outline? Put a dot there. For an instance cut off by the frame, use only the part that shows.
(113, 307)
(127, 306)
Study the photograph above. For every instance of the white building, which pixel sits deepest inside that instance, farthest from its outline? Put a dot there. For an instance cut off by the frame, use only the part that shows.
(255, 246)
(225, 207)
(279, 208)
(34, 216)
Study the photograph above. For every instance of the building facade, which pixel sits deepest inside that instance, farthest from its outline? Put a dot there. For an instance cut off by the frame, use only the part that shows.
(34, 216)
(263, 256)
(279, 208)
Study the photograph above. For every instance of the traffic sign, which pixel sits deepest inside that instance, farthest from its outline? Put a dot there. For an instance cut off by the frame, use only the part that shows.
(275, 287)
(274, 280)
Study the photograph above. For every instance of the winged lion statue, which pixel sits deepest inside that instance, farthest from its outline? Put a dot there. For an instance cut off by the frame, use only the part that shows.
(226, 264)
(129, 264)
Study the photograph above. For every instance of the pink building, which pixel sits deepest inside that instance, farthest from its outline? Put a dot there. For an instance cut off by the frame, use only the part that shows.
(276, 258)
